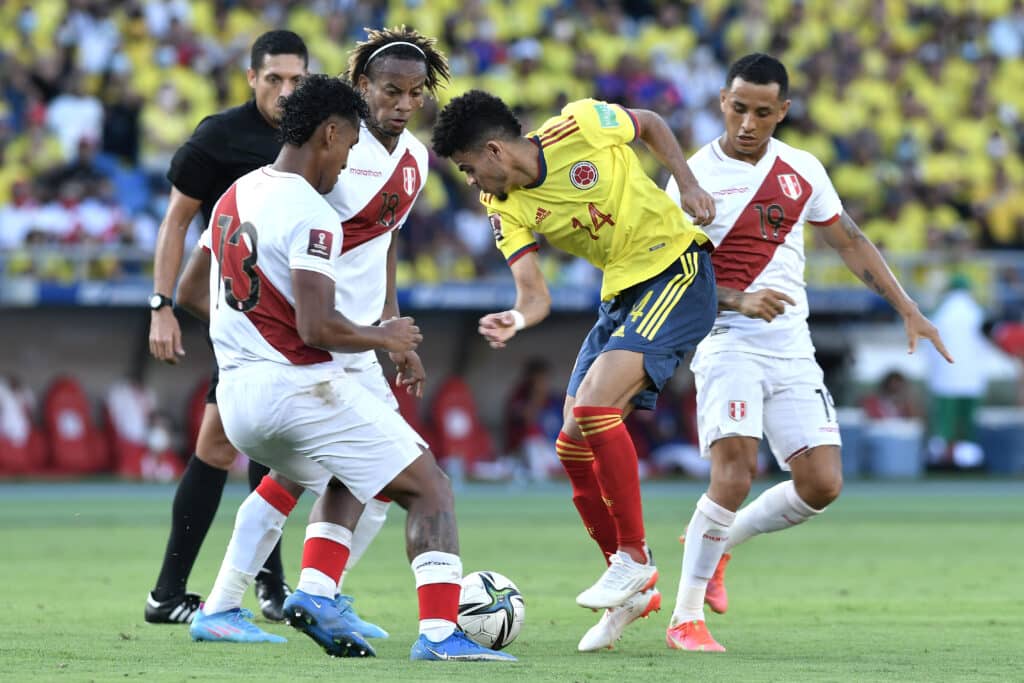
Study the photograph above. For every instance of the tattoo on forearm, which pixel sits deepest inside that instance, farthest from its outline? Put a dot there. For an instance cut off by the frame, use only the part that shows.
(869, 279)
(851, 229)
(432, 531)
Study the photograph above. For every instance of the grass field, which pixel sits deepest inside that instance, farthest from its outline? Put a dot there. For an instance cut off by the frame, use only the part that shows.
(903, 582)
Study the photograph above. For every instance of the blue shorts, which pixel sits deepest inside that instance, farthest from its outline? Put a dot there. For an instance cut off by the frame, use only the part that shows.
(663, 318)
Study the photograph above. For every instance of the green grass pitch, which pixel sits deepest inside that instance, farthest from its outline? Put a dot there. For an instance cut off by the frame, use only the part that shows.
(907, 582)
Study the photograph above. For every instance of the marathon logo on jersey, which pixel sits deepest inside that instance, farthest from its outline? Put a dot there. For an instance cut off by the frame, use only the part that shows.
(409, 180)
(495, 219)
(583, 175)
(737, 410)
(790, 184)
(320, 243)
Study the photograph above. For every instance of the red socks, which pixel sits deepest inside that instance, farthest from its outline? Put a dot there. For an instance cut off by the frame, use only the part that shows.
(615, 464)
(578, 461)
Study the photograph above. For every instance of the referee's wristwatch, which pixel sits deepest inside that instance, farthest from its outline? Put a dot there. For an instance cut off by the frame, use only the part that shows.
(158, 301)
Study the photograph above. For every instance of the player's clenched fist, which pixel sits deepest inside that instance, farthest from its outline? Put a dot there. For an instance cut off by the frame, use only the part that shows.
(764, 304)
(401, 334)
(699, 204)
(498, 328)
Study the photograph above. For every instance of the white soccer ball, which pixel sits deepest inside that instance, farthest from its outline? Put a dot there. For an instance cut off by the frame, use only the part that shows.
(491, 609)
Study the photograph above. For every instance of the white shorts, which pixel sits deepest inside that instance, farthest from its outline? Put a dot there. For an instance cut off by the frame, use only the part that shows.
(746, 394)
(310, 423)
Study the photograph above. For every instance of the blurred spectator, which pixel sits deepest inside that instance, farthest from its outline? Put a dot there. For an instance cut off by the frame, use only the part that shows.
(894, 397)
(74, 116)
(666, 437)
(533, 418)
(956, 388)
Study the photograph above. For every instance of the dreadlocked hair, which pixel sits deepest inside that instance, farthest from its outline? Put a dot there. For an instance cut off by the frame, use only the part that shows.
(360, 62)
(317, 97)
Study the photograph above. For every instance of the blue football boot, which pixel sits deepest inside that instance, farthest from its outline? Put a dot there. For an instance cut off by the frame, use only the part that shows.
(320, 619)
(456, 647)
(354, 621)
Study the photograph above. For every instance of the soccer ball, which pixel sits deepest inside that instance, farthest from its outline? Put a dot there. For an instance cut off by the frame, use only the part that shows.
(491, 609)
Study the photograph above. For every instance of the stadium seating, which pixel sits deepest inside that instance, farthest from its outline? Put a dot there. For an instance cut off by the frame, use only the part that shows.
(76, 445)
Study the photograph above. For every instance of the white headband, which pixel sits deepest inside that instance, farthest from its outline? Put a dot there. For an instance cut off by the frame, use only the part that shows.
(385, 47)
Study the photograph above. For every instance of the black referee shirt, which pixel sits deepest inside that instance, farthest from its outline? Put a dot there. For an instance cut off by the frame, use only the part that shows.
(223, 148)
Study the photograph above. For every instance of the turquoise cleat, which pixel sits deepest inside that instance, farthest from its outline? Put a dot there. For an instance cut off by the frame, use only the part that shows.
(354, 621)
(232, 626)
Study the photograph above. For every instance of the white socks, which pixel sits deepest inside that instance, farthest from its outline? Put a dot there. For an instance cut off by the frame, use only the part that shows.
(705, 542)
(258, 527)
(312, 580)
(780, 507)
(436, 567)
(369, 525)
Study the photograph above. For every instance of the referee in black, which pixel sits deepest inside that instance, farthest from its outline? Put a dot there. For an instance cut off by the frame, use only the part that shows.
(223, 148)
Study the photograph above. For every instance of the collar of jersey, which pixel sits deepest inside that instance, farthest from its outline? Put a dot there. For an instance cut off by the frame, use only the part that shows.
(768, 152)
(543, 173)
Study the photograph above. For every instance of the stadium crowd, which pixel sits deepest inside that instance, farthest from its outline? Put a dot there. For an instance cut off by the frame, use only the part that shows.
(915, 107)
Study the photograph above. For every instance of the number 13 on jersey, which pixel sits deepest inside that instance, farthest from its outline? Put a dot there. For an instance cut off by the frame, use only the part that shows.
(236, 259)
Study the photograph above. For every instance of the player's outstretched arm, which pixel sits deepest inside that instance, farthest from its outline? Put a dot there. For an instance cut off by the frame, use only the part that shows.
(865, 261)
(663, 144)
(319, 324)
(533, 303)
(164, 332)
(194, 285)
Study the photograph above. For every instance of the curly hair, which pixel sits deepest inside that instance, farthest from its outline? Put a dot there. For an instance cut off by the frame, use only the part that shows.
(419, 48)
(470, 120)
(317, 97)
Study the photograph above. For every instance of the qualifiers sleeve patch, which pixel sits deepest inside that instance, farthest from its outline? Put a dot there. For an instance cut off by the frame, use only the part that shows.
(320, 243)
(606, 116)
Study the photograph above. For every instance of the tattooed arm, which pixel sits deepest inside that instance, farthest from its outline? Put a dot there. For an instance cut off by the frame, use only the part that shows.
(864, 260)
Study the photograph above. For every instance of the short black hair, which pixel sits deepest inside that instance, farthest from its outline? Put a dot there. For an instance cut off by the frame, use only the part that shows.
(277, 43)
(762, 69)
(317, 97)
(470, 120)
(420, 48)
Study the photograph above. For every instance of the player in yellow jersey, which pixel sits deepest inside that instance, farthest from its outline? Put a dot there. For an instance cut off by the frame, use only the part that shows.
(577, 181)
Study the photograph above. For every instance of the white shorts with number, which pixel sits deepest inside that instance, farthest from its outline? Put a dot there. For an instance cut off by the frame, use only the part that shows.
(746, 394)
(310, 423)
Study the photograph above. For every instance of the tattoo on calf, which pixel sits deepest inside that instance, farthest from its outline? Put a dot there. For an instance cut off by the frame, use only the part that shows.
(433, 531)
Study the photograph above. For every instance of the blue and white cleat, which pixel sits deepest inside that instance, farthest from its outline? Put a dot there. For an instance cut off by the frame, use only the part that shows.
(456, 647)
(354, 621)
(320, 619)
(232, 626)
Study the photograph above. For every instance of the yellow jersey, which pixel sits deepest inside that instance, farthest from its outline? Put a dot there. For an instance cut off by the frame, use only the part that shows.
(592, 199)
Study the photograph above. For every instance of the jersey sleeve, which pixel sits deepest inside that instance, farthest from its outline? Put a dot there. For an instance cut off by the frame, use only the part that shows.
(195, 167)
(825, 206)
(514, 240)
(603, 124)
(315, 243)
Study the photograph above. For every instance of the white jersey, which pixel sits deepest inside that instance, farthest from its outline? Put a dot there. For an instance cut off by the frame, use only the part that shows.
(373, 197)
(267, 224)
(758, 234)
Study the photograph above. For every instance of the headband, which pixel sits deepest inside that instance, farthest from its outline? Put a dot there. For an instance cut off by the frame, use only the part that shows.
(399, 42)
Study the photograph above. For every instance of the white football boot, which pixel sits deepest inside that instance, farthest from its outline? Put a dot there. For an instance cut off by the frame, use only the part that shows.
(614, 621)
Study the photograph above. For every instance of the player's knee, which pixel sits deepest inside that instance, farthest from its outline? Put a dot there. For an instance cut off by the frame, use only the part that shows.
(216, 453)
(571, 429)
(829, 488)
